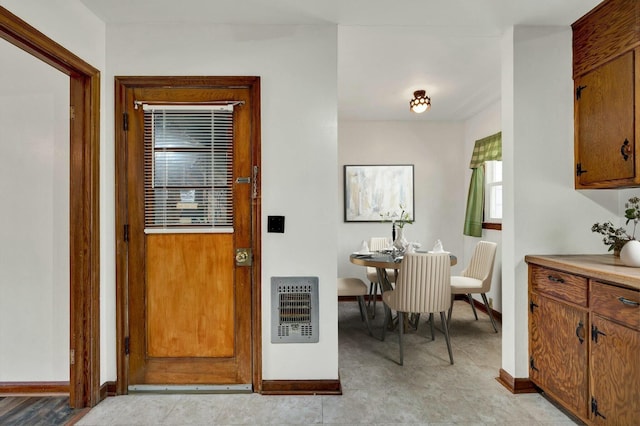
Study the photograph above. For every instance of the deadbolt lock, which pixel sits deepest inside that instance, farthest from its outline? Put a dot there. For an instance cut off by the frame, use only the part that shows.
(243, 257)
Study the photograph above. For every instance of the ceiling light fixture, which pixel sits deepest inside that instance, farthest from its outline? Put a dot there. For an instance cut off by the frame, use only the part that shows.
(420, 102)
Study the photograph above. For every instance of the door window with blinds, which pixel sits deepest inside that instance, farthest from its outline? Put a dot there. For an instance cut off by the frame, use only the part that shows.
(188, 168)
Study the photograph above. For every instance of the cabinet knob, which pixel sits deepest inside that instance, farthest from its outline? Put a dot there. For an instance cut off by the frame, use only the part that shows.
(628, 302)
(625, 150)
(580, 332)
(555, 279)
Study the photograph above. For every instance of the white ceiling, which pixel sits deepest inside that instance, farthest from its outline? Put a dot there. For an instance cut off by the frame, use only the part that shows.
(386, 48)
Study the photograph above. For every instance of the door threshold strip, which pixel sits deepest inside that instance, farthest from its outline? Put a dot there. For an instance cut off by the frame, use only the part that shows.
(233, 388)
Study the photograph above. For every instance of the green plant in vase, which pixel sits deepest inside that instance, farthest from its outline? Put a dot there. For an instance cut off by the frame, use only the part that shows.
(614, 237)
(404, 219)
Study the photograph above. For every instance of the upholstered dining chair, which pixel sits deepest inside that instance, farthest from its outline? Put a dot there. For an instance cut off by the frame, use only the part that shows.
(476, 278)
(355, 287)
(377, 243)
(423, 286)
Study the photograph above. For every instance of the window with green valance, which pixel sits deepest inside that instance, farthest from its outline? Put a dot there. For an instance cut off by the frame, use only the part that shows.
(485, 149)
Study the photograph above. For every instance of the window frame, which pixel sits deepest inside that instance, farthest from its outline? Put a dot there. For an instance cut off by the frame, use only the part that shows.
(490, 182)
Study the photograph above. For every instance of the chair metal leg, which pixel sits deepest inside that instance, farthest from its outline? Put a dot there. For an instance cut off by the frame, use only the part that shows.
(453, 297)
(443, 319)
(400, 334)
(363, 312)
(413, 320)
(373, 292)
(375, 298)
(387, 320)
(433, 336)
(489, 311)
(473, 306)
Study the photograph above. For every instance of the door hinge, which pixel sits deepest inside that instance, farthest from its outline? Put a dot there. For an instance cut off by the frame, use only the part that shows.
(126, 345)
(579, 90)
(126, 233)
(532, 305)
(72, 356)
(72, 113)
(595, 332)
(254, 192)
(579, 170)
(532, 364)
(125, 121)
(594, 408)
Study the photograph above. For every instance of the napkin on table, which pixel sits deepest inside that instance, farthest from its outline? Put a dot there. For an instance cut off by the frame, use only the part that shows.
(364, 248)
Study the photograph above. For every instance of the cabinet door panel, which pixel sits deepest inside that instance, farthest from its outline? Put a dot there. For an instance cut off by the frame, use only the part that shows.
(615, 373)
(605, 120)
(558, 350)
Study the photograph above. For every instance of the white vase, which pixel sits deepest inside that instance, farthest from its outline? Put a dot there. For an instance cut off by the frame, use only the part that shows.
(400, 242)
(630, 254)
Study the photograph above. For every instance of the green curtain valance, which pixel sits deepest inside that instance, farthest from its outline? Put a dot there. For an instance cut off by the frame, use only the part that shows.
(486, 149)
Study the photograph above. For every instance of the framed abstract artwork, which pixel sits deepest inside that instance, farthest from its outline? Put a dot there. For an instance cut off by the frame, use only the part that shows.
(374, 193)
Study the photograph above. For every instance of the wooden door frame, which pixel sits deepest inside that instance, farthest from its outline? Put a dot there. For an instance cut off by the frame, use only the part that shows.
(84, 197)
(122, 85)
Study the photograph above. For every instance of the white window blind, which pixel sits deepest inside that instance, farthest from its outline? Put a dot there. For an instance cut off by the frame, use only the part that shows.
(493, 192)
(188, 171)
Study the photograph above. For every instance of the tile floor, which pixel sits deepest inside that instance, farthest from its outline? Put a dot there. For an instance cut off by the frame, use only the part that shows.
(427, 390)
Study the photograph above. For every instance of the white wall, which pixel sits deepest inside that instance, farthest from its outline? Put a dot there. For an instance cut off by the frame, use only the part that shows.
(34, 188)
(487, 122)
(297, 66)
(543, 213)
(34, 277)
(434, 148)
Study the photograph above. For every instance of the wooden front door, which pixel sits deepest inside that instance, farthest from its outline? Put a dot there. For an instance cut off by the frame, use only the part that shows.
(190, 299)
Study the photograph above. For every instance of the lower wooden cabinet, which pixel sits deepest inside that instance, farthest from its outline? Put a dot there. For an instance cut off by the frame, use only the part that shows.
(614, 355)
(558, 350)
(615, 374)
(584, 338)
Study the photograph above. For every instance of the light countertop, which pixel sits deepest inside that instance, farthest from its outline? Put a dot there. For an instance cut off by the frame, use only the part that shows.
(605, 267)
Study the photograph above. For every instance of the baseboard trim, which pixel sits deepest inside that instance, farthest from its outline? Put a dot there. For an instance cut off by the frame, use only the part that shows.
(523, 385)
(301, 387)
(108, 389)
(34, 388)
(480, 306)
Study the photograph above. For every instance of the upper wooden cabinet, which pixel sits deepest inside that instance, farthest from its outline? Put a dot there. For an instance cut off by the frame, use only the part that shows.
(606, 73)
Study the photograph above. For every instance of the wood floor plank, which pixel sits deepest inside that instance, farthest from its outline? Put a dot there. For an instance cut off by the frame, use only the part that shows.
(36, 411)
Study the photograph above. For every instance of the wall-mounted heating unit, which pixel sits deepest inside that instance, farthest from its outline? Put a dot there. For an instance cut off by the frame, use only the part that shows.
(294, 310)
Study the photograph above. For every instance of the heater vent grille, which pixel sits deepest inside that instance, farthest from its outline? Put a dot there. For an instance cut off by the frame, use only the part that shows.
(294, 309)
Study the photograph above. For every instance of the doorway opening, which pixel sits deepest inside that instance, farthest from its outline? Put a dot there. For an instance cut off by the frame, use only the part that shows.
(84, 241)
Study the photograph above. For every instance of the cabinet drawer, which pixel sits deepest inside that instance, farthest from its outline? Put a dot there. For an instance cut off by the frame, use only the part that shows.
(617, 303)
(561, 285)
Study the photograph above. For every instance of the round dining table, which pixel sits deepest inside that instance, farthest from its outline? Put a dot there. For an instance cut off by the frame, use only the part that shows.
(383, 261)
